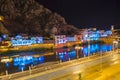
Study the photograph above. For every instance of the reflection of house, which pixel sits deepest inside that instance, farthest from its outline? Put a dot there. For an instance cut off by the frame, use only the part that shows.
(6, 59)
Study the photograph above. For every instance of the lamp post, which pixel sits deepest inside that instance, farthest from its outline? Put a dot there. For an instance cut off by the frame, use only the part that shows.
(115, 44)
(77, 48)
(30, 70)
(100, 60)
(117, 47)
(1, 18)
(88, 47)
(6, 72)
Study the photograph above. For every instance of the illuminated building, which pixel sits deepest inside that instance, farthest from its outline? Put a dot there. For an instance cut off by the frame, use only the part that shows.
(95, 35)
(63, 40)
(60, 40)
(21, 41)
(78, 37)
(70, 39)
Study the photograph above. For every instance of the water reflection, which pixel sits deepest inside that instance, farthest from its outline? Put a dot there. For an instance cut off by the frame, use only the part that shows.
(66, 55)
(106, 48)
(96, 48)
(21, 62)
(7, 64)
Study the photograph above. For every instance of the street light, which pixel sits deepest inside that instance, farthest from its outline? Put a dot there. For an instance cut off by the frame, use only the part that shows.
(6, 72)
(77, 48)
(88, 47)
(1, 18)
(115, 43)
(100, 60)
(30, 70)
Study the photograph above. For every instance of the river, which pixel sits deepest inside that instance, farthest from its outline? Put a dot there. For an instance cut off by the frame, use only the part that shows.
(16, 62)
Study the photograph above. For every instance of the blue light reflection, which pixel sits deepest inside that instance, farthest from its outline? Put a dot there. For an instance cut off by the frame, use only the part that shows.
(66, 55)
(96, 48)
(21, 62)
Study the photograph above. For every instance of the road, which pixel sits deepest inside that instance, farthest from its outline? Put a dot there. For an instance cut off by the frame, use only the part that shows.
(80, 69)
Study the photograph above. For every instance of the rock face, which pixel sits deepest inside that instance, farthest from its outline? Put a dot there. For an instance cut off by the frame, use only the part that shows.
(3, 29)
(28, 16)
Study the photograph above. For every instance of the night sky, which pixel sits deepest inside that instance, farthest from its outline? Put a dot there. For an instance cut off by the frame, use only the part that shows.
(87, 13)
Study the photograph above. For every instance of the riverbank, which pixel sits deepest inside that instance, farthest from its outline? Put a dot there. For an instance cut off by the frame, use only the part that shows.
(108, 40)
(92, 42)
(46, 47)
(35, 47)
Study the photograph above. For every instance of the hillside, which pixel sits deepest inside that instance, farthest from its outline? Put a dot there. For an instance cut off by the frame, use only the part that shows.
(28, 16)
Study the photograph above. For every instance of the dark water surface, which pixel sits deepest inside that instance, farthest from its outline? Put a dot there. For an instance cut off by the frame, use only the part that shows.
(16, 62)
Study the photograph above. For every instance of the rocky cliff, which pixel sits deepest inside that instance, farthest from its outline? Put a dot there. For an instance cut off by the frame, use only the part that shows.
(28, 16)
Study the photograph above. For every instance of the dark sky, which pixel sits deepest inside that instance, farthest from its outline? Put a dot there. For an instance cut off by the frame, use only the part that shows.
(87, 13)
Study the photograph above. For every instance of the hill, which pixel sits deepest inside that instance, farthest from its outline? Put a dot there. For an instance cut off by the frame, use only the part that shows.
(30, 17)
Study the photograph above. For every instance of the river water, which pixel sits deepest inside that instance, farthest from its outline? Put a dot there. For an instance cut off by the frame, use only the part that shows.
(16, 62)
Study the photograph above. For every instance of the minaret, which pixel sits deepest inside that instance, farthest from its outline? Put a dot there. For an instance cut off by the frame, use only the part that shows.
(113, 31)
(112, 28)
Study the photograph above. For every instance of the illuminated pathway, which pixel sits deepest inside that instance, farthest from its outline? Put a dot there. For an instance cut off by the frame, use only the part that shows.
(71, 70)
